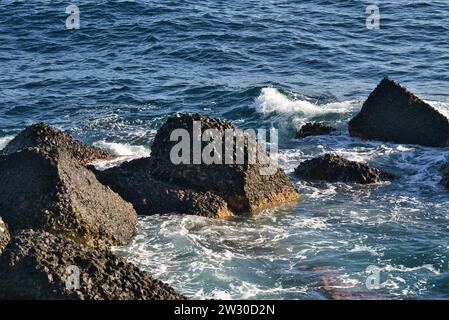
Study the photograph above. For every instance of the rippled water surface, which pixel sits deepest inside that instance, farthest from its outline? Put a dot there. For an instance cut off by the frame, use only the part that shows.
(259, 63)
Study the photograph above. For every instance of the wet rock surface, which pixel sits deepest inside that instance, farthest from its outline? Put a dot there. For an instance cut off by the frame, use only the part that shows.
(4, 235)
(333, 168)
(314, 129)
(53, 192)
(39, 265)
(392, 113)
(243, 186)
(133, 181)
(47, 138)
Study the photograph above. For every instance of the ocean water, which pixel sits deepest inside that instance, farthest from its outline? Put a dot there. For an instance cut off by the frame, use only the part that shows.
(131, 64)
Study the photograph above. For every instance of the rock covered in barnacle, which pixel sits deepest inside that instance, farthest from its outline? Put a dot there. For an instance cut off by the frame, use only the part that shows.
(41, 266)
(333, 168)
(314, 129)
(133, 182)
(392, 113)
(46, 138)
(54, 192)
(243, 186)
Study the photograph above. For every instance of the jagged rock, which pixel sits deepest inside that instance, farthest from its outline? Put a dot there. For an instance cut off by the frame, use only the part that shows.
(242, 185)
(40, 266)
(392, 113)
(54, 192)
(4, 235)
(47, 138)
(333, 168)
(314, 129)
(133, 181)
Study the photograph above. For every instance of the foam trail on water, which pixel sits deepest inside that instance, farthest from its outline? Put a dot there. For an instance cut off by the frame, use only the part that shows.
(4, 141)
(124, 151)
(271, 100)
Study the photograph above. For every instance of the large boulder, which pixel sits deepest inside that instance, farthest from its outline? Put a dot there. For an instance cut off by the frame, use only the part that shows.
(333, 168)
(47, 138)
(314, 129)
(243, 186)
(4, 235)
(392, 113)
(133, 181)
(40, 266)
(54, 192)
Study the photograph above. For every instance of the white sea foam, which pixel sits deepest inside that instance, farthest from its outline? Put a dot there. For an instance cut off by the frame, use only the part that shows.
(272, 100)
(442, 107)
(123, 151)
(4, 141)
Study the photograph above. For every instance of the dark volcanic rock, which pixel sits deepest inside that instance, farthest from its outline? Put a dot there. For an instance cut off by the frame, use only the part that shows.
(333, 168)
(242, 185)
(133, 181)
(392, 113)
(4, 235)
(314, 129)
(39, 265)
(47, 138)
(52, 191)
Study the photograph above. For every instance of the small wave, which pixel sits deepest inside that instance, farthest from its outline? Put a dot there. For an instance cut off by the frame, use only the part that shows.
(272, 100)
(441, 107)
(125, 152)
(4, 141)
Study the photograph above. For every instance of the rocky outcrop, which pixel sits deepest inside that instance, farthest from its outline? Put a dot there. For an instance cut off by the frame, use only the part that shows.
(4, 235)
(333, 168)
(133, 181)
(52, 191)
(39, 265)
(314, 129)
(392, 113)
(47, 138)
(243, 186)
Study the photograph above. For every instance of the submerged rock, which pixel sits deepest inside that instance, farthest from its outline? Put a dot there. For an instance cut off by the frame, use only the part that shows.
(52, 191)
(4, 235)
(392, 113)
(445, 175)
(47, 138)
(133, 181)
(243, 186)
(333, 168)
(39, 265)
(314, 129)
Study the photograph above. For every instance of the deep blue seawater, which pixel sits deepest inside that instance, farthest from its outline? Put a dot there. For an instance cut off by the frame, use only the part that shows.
(114, 81)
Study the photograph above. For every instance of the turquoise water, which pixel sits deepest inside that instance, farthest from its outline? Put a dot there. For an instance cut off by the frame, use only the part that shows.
(114, 81)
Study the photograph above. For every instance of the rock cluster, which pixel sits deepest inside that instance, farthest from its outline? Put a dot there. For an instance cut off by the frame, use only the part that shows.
(57, 217)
